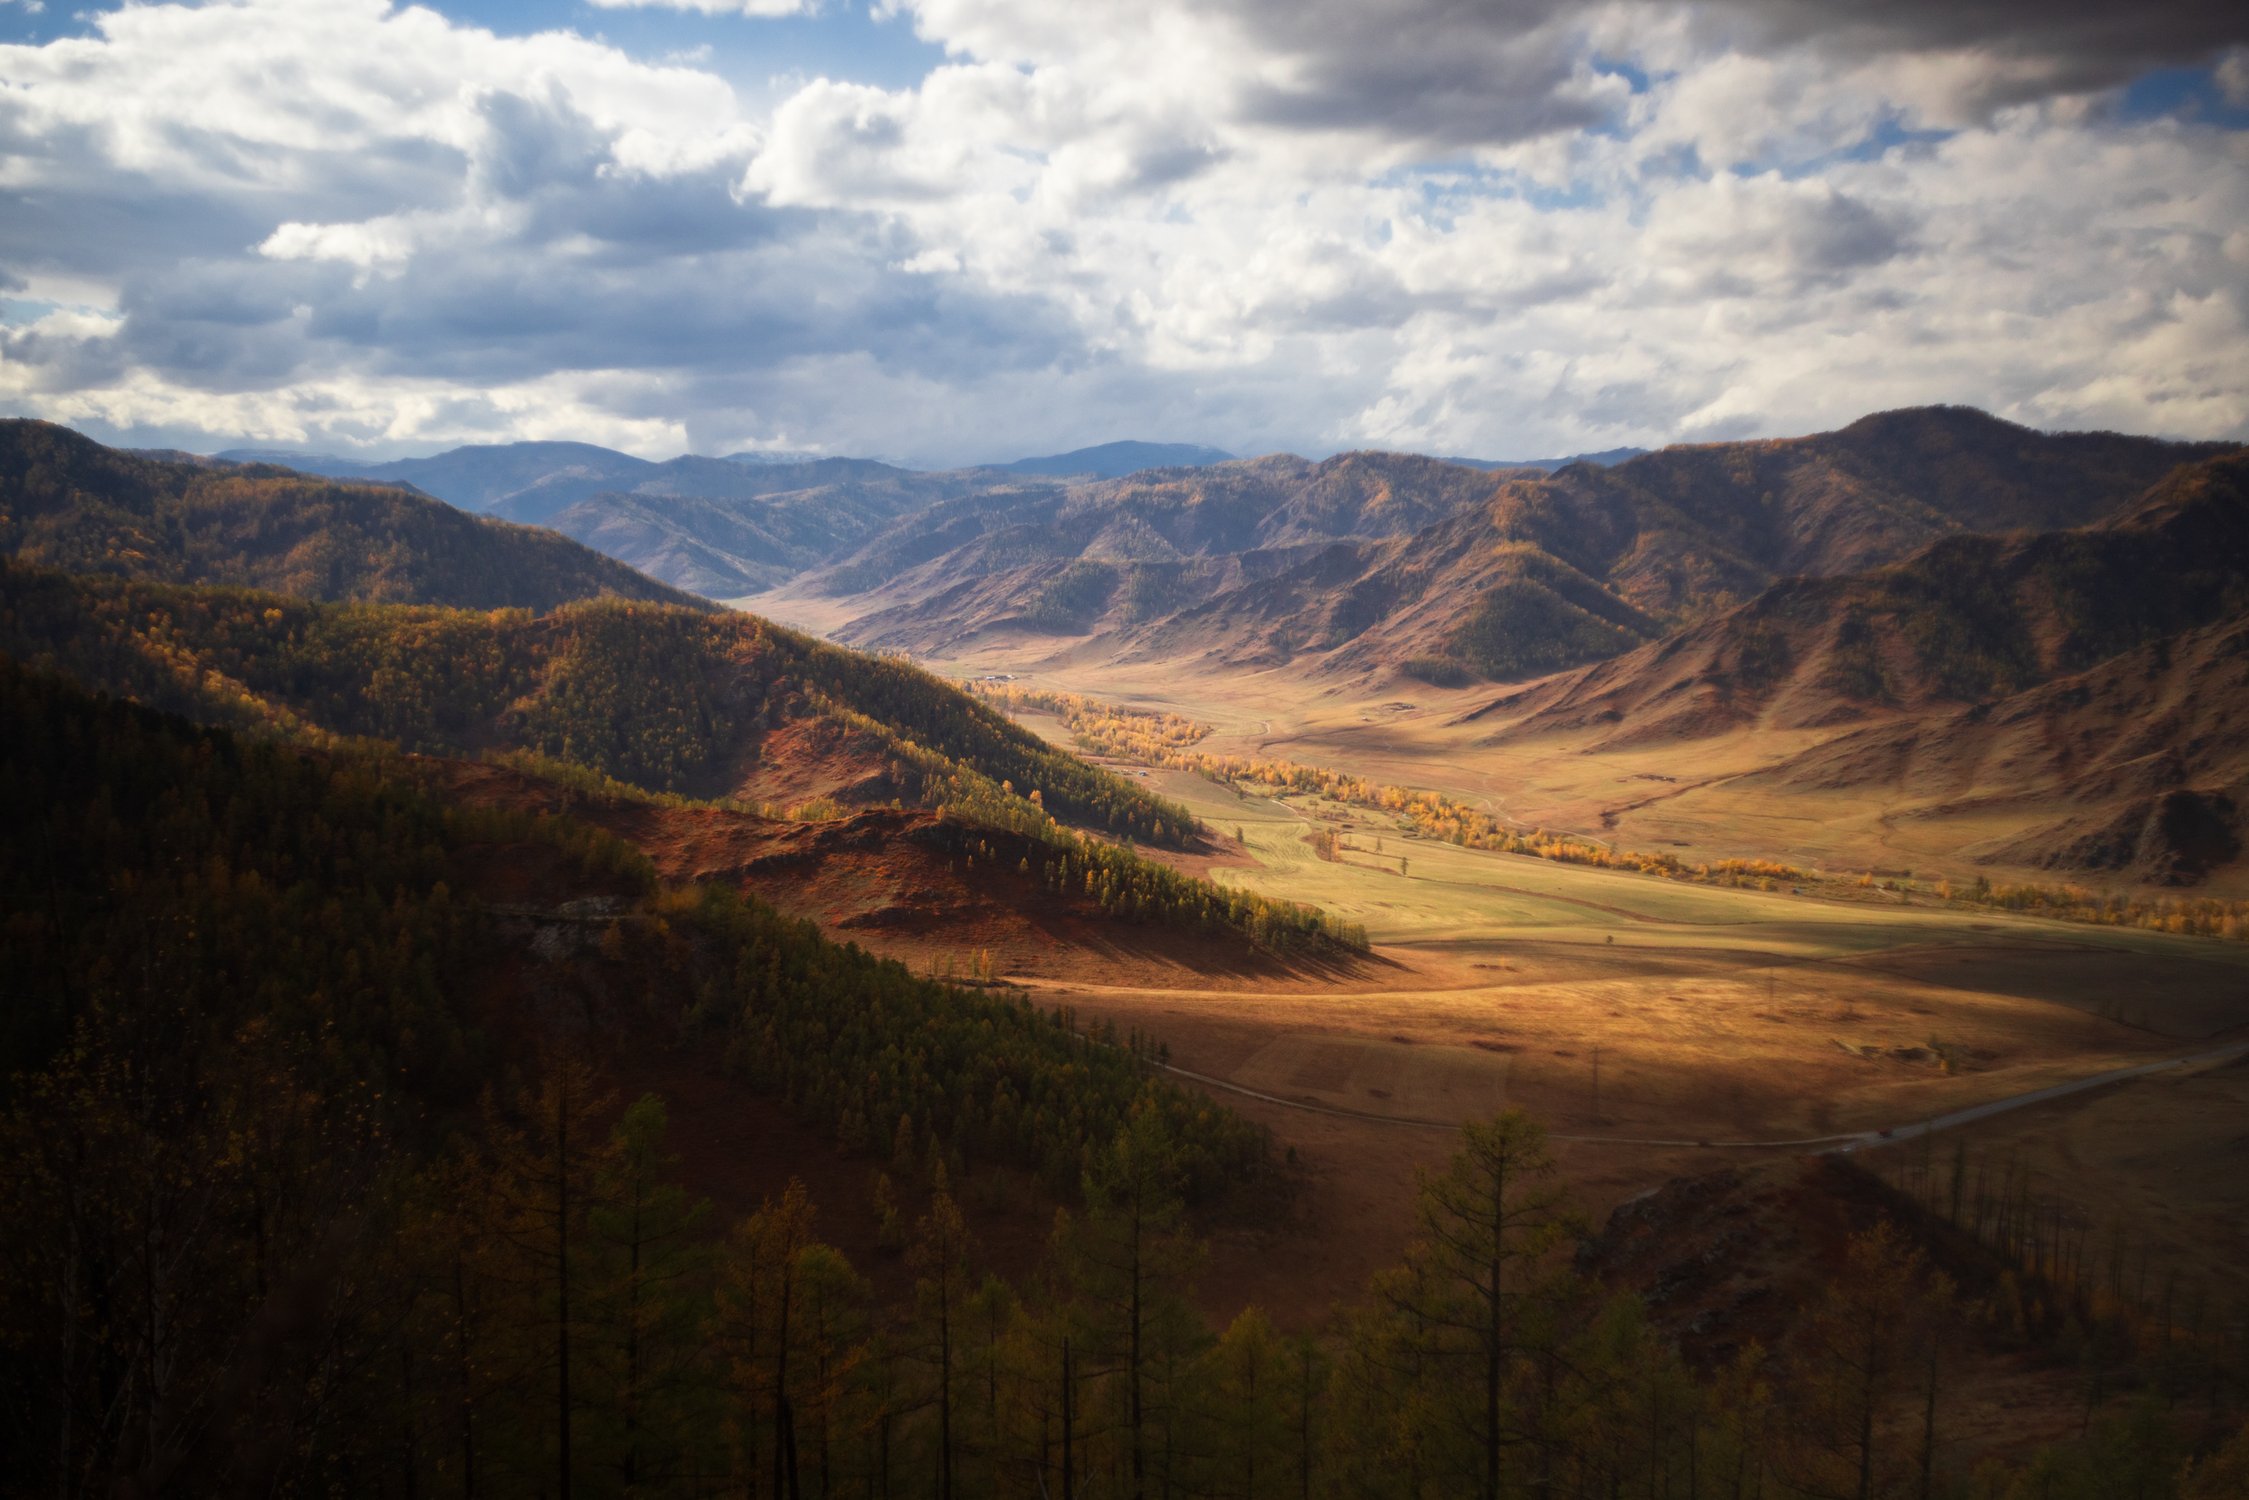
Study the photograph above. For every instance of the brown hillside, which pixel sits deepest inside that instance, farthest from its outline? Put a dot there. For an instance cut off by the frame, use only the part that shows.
(68, 502)
(903, 883)
(2138, 767)
(1971, 619)
(1369, 564)
(1674, 537)
(1115, 555)
(1741, 1258)
(2074, 702)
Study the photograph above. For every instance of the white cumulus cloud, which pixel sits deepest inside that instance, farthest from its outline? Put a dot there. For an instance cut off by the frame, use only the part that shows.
(1497, 229)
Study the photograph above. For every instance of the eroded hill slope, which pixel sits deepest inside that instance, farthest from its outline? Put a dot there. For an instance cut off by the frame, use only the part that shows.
(1369, 564)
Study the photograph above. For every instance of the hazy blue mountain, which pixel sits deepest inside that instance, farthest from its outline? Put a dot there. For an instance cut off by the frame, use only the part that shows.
(761, 458)
(1606, 458)
(1114, 460)
(481, 476)
(725, 529)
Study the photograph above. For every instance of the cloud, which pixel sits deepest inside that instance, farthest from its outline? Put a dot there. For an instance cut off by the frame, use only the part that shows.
(2233, 77)
(2023, 50)
(761, 8)
(1465, 227)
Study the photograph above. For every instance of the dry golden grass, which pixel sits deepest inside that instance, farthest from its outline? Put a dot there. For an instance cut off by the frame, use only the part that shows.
(1719, 1015)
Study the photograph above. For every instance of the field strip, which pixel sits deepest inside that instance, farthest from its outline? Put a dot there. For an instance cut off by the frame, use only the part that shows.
(1840, 1143)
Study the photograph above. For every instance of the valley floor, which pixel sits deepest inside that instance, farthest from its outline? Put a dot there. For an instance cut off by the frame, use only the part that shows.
(1621, 1008)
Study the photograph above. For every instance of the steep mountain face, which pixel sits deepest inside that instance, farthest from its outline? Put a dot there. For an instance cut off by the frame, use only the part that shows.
(1114, 556)
(2091, 685)
(68, 502)
(1832, 503)
(1969, 619)
(1677, 536)
(1374, 563)
(2137, 767)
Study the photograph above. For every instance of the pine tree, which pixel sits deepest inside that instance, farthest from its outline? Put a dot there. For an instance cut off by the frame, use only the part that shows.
(1128, 1261)
(939, 1256)
(1481, 1286)
(651, 1264)
(546, 1161)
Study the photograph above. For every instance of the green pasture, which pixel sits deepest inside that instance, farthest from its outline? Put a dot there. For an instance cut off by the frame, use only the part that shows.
(1452, 895)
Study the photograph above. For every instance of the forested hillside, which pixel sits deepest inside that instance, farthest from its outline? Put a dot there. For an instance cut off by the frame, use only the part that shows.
(256, 995)
(317, 1180)
(67, 502)
(666, 698)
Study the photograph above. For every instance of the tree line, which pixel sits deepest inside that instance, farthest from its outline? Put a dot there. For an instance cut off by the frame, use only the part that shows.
(640, 699)
(1169, 740)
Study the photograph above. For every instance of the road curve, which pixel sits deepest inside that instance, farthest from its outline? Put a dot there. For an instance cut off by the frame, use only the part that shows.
(1848, 1142)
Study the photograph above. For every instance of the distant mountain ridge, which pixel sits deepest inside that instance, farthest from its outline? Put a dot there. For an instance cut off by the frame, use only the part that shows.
(1115, 460)
(481, 476)
(724, 530)
(1120, 554)
(1971, 618)
(1606, 458)
(548, 477)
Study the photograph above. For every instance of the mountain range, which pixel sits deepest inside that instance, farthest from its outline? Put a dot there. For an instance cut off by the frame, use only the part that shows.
(1366, 565)
(1964, 613)
(1114, 460)
(1605, 457)
(2090, 684)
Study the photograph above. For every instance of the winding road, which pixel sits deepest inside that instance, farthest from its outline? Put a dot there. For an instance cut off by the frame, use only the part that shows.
(1848, 1142)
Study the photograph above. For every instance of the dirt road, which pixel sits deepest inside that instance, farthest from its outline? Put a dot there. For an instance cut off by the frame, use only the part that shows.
(1837, 1143)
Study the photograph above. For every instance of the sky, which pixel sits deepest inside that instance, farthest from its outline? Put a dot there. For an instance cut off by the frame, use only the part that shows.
(946, 231)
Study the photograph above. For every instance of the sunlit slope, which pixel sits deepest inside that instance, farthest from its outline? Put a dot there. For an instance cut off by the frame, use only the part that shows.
(68, 502)
(1368, 565)
(666, 698)
(2071, 701)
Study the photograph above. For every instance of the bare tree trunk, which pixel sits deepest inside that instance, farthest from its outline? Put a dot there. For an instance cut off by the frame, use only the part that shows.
(562, 1290)
(1069, 1414)
(944, 1385)
(1929, 1419)
(463, 1368)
